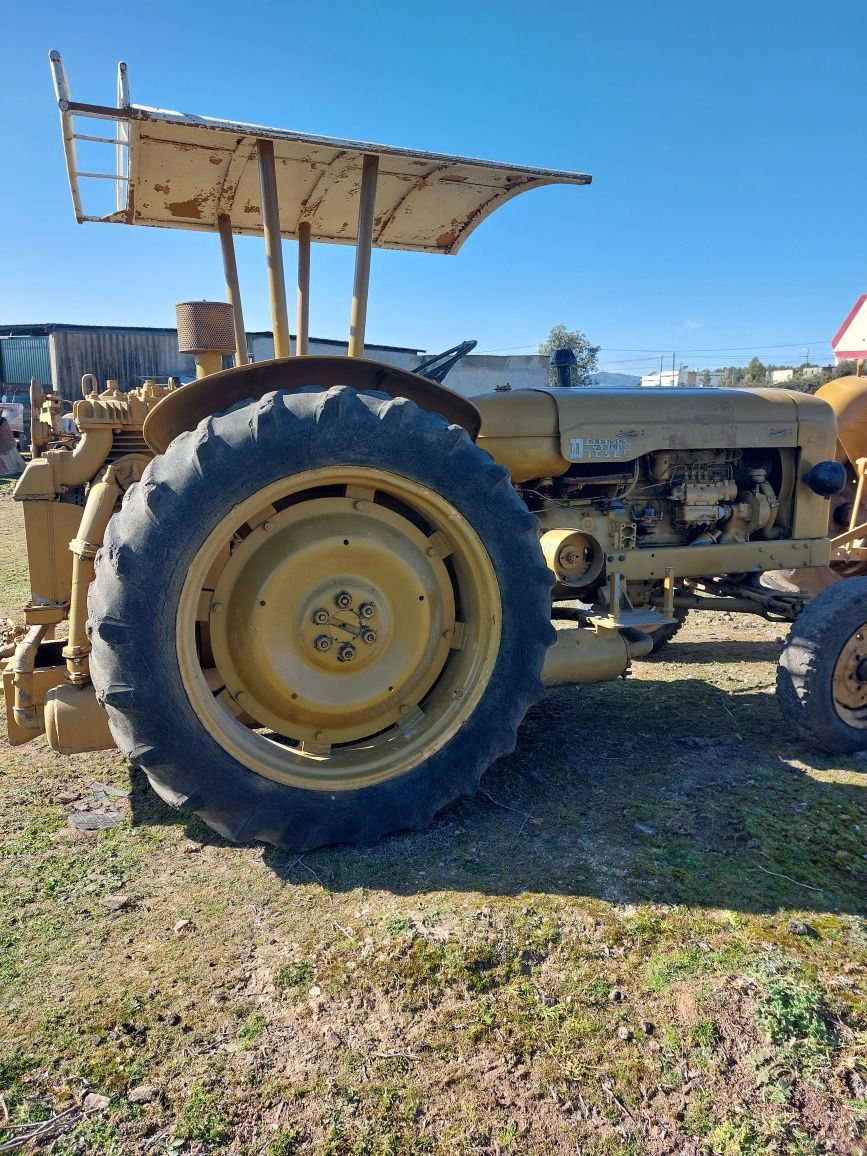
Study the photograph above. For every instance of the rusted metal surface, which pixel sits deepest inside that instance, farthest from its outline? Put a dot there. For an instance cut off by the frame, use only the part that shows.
(185, 170)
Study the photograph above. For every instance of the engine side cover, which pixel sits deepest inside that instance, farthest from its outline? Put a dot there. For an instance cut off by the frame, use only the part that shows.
(539, 432)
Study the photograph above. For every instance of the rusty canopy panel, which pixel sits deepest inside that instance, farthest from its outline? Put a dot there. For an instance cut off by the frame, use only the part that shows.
(184, 171)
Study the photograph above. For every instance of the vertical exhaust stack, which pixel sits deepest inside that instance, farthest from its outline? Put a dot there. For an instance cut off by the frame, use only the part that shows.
(561, 361)
(207, 330)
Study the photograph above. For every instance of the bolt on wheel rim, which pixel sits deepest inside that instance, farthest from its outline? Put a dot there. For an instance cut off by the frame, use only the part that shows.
(850, 680)
(338, 627)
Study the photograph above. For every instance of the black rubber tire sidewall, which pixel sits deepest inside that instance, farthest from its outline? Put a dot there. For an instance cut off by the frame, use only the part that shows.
(165, 520)
(806, 670)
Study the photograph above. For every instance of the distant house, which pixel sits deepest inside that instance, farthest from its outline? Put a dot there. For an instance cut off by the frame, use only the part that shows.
(683, 377)
(669, 377)
(805, 372)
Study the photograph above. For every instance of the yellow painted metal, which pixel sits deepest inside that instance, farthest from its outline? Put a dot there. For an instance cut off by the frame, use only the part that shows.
(364, 244)
(208, 364)
(49, 526)
(97, 512)
(333, 625)
(273, 246)
(574, 557)
(233, 288)
(23, 687)
(60, 469)
(101, 501)
(847, 549)
(185, 408)
(74, 721)
(731, 558)
(521, 430)
(303, 323)
(847, 396)
(584, 655)
(850, 680)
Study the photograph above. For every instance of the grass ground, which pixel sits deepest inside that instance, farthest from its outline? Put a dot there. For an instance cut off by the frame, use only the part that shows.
(646, 934)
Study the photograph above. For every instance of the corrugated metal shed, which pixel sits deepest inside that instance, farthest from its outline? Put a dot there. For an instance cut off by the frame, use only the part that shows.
(24, 357)
(127, 355)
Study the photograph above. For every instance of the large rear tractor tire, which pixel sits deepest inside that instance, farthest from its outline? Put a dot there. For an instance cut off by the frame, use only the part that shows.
(822, 676)
(319, 618)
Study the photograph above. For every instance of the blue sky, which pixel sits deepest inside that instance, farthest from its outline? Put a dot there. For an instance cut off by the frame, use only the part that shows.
(726, 142)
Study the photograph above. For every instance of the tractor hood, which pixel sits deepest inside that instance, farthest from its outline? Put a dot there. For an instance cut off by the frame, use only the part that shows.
(550, 429)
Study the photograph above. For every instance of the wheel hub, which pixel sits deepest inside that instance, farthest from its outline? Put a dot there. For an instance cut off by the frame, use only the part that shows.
(309, 626)
(338, 626)
(850, 680)
(354, 629)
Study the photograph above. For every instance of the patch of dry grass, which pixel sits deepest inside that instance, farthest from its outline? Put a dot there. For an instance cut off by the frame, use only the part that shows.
(596, 954)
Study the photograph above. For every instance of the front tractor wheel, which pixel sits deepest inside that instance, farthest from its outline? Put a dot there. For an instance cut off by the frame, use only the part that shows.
(319, 618)
(822, 676)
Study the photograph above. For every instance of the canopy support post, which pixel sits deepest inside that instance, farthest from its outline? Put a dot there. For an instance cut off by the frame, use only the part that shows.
(366, 210)
(273, 246)
(233, 290)
(303, 329)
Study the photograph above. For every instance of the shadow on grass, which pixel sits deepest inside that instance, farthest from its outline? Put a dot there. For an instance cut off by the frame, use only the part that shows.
(745, 650)
(635, 791)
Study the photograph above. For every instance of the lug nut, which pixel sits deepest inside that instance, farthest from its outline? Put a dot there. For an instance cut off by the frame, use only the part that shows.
(343, 599)
(368, 636)
(367, 609)
(346, 653)
(322, 642)
(320, 616)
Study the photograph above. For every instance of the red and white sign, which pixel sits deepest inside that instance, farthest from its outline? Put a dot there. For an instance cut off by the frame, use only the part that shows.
(851, 337)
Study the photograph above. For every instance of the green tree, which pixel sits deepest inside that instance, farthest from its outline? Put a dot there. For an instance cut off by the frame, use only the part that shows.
(730, 375)
(586, 355)
(704, 378)
(755, 372)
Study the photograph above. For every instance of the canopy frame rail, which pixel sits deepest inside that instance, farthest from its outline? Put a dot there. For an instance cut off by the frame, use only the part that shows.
(69, 110)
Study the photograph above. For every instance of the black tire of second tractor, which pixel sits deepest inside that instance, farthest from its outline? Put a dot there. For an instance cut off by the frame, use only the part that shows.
(805, 675)
(166, 518)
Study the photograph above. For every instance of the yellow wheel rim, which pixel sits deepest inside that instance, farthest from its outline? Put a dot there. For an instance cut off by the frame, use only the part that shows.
(338, 627)
(850, 680)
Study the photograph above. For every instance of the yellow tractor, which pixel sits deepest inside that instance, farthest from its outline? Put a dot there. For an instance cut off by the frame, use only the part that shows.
(312, 597)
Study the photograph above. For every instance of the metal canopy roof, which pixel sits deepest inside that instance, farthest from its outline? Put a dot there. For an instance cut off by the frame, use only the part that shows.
(181, 171)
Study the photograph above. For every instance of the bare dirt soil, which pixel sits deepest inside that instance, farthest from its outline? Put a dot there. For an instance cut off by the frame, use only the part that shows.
(646, 934)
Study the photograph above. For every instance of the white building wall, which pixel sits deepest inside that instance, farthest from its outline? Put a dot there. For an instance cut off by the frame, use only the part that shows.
(482, 373)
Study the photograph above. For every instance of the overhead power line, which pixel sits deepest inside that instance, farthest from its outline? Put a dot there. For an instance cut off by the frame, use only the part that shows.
(659, 352)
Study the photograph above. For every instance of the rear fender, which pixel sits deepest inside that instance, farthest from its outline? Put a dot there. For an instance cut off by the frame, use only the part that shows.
(185, 408)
